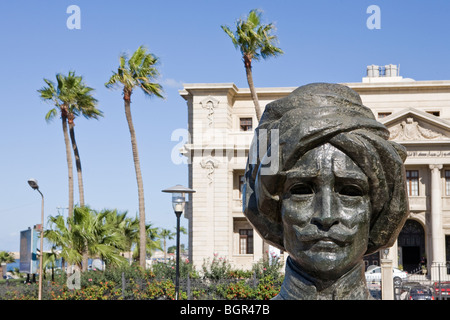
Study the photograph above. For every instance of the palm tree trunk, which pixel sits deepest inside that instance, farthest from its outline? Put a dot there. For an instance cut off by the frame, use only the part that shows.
(165, 251)
(85, 259)
(69, 163)
(77, 162)
(137, 167)
(248, 71)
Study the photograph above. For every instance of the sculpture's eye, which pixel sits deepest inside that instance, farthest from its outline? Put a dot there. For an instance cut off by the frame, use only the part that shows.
(302, 189)
(351, 190)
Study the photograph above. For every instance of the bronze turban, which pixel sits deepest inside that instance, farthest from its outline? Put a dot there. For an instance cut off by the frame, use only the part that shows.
(310, 116)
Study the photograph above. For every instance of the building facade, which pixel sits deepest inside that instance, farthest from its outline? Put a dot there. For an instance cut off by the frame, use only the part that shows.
(221, 122)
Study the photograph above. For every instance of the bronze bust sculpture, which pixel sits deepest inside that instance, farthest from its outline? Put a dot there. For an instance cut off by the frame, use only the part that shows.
(330, 189)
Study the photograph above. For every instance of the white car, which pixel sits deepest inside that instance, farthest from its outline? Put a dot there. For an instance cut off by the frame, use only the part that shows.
(374, 274)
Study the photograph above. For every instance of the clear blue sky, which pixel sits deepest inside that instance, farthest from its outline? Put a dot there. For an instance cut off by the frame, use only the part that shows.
(323, 41)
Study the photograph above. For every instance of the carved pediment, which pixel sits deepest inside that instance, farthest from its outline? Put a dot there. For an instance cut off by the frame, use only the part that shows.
(415, 125)
(413, 130)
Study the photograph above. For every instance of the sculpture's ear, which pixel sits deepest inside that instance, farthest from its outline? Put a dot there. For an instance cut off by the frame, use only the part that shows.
(262, 208)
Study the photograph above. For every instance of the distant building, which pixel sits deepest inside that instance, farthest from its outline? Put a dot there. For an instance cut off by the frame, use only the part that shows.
(221, 120)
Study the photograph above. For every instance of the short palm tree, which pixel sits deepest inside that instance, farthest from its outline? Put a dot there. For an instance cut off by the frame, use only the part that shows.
(138, 71)
(49, 260)
(61, 236)
(128, 227)
(106, 240)
(153, 242)
(166, 234)
(71, 97)
(255, 41)
(86, 234)
(6, 257)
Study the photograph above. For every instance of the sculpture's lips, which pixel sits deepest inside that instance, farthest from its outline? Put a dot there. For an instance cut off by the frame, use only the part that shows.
(327, 244)
(340, 236)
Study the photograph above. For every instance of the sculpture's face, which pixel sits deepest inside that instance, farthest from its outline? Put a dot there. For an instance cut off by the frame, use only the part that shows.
(326, 213)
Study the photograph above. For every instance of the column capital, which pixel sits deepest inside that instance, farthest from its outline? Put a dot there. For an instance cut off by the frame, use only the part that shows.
(436, 166)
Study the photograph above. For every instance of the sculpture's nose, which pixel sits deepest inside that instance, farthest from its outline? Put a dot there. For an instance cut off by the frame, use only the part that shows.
(326, 210)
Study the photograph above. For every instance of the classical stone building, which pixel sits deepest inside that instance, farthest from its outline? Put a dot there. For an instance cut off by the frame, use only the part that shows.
(221, 123)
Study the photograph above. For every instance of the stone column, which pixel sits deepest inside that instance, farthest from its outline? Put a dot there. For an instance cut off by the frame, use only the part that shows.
(387, 281)
(438, 256)
(258, 248)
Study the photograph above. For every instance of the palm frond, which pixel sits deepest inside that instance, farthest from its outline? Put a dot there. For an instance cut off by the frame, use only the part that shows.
(137, 71)
(70, 94)
(253, 38)
(51, 114)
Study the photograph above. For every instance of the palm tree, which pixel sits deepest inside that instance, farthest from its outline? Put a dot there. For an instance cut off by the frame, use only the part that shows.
(255, 41)
(166, 234)
(49, 259)
(128, 227)
(71, 97)
(6, 257)
(153, 242)
(86, 105)
(86, 234)
(96, 237)
(138, 71)
(60, 235)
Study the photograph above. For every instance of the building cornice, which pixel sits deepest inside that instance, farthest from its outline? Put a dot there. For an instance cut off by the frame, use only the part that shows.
(407, 86)
(192, 88)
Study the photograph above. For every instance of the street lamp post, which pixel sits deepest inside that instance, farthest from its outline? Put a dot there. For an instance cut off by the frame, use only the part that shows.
(34, 184)
(178, 202)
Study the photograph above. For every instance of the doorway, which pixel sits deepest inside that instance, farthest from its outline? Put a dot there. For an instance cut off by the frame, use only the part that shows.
(412, 243)
(411, 258)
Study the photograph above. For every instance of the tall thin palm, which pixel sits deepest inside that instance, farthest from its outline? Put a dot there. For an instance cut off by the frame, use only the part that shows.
(86, 106)
(138, 71)
(255, 41)
(71, 97)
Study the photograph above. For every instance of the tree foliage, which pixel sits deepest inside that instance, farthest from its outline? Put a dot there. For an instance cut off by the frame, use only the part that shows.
(255, 40)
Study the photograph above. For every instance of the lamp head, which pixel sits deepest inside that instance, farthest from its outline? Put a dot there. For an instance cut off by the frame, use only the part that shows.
(33, 183)
(178, 199)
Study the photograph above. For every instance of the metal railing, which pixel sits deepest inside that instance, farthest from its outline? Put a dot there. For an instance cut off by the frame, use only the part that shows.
(435, 279)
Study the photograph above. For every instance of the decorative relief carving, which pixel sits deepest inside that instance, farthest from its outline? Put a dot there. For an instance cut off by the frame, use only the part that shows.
(209, 164)
(429, 153)
(411, 130)
(209, 104)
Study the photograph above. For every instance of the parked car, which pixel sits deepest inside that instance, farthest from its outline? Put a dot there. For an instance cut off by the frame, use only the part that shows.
(442, 289)
(420, 293)
(398, 275)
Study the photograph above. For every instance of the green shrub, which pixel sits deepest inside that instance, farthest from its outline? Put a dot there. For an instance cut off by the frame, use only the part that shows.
(267, 288)
(219, 281)
(161, 270)
(216, 269)
(268, 266)
(237, 291)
